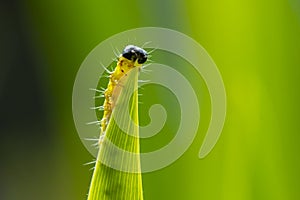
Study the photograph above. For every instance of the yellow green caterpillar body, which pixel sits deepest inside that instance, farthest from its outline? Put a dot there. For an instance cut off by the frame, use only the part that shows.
(131, 57)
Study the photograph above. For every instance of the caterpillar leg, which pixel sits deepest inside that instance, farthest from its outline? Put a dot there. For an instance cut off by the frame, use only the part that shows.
(101, 138)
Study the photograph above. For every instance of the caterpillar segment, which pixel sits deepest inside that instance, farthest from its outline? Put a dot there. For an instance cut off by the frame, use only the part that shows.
(131, 57)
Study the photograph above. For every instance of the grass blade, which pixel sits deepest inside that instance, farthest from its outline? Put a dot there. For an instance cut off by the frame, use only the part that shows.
(120, 150)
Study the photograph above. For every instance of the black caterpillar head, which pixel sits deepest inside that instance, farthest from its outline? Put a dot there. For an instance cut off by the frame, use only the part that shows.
(134, 53)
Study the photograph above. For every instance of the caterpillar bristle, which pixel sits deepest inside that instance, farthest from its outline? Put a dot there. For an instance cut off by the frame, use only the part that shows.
(89, 163)
(140, 87)
(101, 108)
(143, 81)
(96, 144)
(146, 71)
(115, 53)
(105, 68)
(91, 139)
(151, 61)
(94, 122)
(115, 50)
(97, 97)
(153, 50)
(91, 168)
(101, 90)
(146, 44)
(146, 65)
(114, 59)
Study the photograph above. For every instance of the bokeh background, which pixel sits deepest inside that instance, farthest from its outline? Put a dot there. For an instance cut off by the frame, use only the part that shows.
(255, 44)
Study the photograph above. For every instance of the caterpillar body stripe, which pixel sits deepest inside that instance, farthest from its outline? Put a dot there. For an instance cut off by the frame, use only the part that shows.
(131, 57)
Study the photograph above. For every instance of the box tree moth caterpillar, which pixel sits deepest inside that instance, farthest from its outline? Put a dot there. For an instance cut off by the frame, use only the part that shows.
(131, 57)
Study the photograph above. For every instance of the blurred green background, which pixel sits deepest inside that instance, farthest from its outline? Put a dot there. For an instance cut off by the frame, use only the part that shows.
(255, 44)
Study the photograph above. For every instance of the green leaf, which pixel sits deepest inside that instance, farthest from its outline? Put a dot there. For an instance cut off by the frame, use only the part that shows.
(117, 174)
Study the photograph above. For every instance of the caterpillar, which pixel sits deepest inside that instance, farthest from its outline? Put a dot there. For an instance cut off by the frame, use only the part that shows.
(131, 57)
